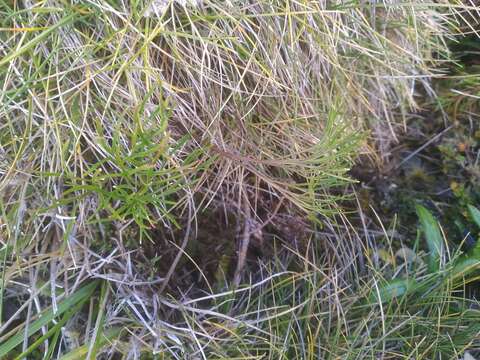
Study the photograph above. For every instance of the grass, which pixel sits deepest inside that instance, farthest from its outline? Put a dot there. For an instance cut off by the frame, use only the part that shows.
(314, 312)
(125, 127)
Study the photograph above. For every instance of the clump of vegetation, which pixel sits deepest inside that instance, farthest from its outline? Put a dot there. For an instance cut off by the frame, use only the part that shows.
(421, 310)
(156, 155)
(437, 156)
(266, 97)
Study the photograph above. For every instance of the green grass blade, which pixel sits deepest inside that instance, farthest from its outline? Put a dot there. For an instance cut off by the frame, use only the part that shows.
(98, 331)
(53, 331)
(47, 316)
(13, 54)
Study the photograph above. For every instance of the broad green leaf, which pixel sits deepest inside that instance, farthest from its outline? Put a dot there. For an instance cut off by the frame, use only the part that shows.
(433, 236)
(475, 214)
(394, 289)
(464, 266)
(47, 316)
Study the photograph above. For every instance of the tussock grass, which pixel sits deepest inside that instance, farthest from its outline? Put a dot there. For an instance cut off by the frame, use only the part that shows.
(123, 120)
(264, 99)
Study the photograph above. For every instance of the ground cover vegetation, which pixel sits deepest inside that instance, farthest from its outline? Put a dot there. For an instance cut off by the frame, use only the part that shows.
(251, 180)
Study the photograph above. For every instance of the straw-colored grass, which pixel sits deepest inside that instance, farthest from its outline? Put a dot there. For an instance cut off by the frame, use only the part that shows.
(122, 123)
